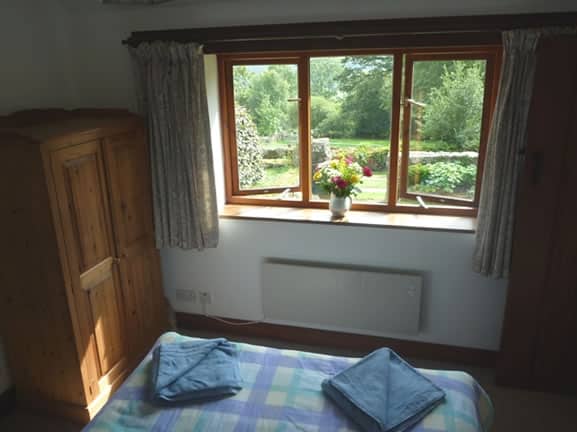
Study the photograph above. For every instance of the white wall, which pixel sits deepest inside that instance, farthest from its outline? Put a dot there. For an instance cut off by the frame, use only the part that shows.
(68, 52)
(459, 306)
(36, 54)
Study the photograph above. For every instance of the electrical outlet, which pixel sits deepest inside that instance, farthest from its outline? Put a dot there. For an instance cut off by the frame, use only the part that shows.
(205, 297)
(186, 295)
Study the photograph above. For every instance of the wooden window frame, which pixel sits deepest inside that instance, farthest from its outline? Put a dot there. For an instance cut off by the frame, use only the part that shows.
(226, 98)
(490, 56)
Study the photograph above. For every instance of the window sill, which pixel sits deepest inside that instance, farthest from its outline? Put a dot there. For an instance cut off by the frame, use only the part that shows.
(462, 224)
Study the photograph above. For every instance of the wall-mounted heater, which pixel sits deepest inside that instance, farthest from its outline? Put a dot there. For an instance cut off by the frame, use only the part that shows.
(342, 298)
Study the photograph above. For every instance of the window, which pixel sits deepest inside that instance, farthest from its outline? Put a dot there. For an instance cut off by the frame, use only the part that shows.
(419, 119)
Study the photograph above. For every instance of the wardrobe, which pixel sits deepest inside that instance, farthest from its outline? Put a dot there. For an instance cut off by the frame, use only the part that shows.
(539, 341)
(81, 299)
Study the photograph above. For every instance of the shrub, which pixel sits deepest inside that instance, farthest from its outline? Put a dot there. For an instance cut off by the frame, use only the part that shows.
(443, 177)
(375, 159)
(335, 125)
(249, 152)
(418, 174)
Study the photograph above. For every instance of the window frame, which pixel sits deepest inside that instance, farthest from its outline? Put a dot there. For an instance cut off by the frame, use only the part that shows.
(234, 195)
(490, 57)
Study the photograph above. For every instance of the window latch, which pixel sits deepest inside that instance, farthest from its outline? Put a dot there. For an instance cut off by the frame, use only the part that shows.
(410, 101)
(421, 202)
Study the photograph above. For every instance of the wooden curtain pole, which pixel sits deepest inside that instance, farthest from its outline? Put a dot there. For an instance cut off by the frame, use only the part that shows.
(366, 29)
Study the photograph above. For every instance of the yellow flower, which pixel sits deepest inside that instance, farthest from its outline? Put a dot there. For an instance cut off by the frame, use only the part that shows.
(334, 164)
(355, 178)
(317, 176)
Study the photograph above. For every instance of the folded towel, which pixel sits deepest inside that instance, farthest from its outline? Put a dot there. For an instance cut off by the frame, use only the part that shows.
(195, 371)
(383, 393)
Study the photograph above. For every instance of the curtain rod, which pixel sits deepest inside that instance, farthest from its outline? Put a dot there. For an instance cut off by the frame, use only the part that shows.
(356, 29)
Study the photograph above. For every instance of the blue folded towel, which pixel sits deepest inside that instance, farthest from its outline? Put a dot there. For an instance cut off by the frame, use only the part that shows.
(383, 393)
(195, 371)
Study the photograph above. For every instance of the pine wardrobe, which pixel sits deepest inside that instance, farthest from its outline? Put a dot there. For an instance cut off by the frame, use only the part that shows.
(81, 298)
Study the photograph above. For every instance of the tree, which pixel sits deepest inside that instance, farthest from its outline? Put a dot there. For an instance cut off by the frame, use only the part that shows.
(267, 102)
(324, 72)
(427, 75)
(366, 84)
(242, 78)
(454, 109)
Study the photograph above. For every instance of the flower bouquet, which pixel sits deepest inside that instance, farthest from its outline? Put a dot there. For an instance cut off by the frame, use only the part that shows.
(341, 177)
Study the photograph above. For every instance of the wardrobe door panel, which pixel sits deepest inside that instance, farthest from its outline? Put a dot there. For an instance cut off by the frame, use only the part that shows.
(83, 203)
(130, 185)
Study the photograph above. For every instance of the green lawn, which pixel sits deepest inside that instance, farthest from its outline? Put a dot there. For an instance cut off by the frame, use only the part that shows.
(374, 188)
(278, 177)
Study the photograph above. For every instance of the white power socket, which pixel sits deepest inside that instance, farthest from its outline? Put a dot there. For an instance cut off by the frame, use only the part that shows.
(205, 297)
(186, 295)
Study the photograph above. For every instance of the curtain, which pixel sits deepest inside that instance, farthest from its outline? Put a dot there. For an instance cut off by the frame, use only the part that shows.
(172, 97)
(505, 148)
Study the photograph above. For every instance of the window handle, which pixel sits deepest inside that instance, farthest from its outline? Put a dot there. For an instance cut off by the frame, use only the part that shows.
(410, 101)
(293, 99)
(421, 202)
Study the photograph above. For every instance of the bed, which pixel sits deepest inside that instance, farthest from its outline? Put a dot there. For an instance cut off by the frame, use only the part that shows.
(282, 392)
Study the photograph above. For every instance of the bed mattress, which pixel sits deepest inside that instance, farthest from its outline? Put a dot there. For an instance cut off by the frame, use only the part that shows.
(282, 392)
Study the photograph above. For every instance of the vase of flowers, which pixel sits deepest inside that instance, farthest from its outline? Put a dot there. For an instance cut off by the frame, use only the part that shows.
(340, 177)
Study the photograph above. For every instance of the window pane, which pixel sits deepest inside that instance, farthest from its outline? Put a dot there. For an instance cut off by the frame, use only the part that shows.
(446, 109)
(266, 110)
(351, 104)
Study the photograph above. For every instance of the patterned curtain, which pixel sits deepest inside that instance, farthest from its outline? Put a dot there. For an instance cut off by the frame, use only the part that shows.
(505, 149)
(172, 97)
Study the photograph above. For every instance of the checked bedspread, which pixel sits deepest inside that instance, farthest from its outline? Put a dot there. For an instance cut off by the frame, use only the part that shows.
(282, 392)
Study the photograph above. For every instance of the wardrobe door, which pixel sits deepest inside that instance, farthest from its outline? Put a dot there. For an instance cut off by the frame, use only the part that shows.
(556, 353)
(80, 184)
(131, 202)
(539, 340)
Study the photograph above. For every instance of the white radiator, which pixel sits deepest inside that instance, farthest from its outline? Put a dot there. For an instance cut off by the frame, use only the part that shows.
(368, 301)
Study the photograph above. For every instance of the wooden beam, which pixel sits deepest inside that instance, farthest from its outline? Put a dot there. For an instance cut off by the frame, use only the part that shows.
(365, 31)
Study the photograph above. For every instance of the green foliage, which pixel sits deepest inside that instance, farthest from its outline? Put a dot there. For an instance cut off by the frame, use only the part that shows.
(443, 177)
(418, 174)
(428, 75)
(249, 152)
(321, 109)
(432, 146)
(324, 73)
(375, 159)
(335, 125)
(366, 83)
(242, 84)
(265, 96)
(454, 109)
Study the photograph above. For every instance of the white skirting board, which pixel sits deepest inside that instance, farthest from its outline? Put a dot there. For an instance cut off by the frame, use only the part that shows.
(371, 301)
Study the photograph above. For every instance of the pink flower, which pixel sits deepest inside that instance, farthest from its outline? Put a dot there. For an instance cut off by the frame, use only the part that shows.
(341, 183)
(349, 159)
(367, 172)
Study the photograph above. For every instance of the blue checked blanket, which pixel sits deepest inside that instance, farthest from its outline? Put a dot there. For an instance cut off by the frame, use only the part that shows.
(281, 392)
